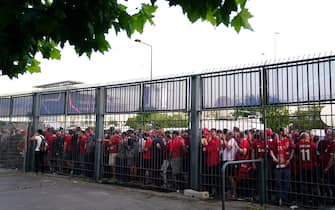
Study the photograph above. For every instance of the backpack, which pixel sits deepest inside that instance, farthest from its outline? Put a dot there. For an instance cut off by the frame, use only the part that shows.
(44, 144)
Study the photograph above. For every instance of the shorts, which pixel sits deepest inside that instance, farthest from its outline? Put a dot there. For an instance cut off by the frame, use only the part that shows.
(232, 169)
(112, 159)
(131, 161)
(176, 165)
(68, 156)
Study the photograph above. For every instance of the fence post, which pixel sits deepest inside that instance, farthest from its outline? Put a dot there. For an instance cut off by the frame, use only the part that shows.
(265, 164)
(195, 131)
(99, 130)
(262, 191)
(29, 155)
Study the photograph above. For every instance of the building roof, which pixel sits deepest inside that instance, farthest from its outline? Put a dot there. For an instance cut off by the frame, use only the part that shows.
(59, 84)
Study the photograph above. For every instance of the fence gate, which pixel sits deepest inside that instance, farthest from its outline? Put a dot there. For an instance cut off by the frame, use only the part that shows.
(300, 109)
(142, 121)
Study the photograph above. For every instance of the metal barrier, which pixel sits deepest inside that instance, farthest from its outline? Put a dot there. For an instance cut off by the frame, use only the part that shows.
(261, 178)
(153, 155)
(270, 109)
(13, 140)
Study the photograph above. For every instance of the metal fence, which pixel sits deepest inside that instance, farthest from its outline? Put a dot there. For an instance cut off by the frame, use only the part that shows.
(176, 133)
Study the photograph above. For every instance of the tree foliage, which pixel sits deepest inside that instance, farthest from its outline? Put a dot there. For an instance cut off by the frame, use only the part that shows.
(162, 120)
(276, 116)
(31, 26)
(309, 118)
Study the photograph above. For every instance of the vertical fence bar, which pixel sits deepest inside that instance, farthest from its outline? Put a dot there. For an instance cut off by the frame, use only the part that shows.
(100, 103)
(36, 112)
(265, 165)
(34, 127)
(195, 132)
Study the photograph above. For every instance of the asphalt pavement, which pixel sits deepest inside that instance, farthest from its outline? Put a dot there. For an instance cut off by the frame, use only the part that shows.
(28, 192)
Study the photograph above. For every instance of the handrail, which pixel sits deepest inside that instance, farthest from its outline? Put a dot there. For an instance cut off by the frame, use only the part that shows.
(262, 193)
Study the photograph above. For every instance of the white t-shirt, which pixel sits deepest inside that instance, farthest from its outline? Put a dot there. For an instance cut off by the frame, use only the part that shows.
(38, 143)
(230, 154)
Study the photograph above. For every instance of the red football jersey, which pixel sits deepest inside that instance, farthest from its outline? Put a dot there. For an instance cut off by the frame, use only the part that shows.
(114, 144)
(243, 144)
(212, 150)
(306, 154)
(147, 155)
(176, 147)
(68, 141)
(331, 150)
(323, 147)
(82, 142)
(259, 148)
(282, 148)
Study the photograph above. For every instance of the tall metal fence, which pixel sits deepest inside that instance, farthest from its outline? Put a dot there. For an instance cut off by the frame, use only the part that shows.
(176, 133)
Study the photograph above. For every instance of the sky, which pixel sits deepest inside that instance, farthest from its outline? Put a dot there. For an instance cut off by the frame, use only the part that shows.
(298, 28)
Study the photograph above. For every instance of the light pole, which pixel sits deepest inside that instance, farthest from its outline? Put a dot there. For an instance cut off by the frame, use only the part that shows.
(149, 45)
(275, 43)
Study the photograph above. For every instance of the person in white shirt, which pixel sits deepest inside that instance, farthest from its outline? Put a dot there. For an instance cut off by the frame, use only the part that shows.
(39, 156)
(229, 154)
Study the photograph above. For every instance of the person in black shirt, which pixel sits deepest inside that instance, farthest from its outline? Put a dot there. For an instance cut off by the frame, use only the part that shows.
(157, 149)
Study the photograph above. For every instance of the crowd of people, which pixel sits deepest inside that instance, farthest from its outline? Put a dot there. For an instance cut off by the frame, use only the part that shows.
(296, 161)
(12, 142)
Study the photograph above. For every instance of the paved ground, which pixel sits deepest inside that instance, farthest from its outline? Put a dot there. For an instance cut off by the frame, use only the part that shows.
(28, 192)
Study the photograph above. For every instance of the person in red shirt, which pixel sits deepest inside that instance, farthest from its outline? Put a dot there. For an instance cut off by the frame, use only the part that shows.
(243, 147)
(113, 151)
(176, 150)
(166, 158)
(212, 161)
(258, 149)
(330, 168)
(186, 156)
(82, 140)
(323, 147)
(306, 158)
(282, 151)
(243, 170)
(68, 148)
(147, 158)
(50, 137)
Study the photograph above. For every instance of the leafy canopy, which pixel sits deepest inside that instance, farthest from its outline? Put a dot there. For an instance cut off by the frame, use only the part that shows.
(162, 120)
(31, 26)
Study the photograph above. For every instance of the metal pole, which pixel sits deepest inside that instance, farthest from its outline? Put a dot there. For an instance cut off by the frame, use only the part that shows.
(150, 62)
(149, 45)
(224, 184)
(275, 45)
(262, 179)
(224, 175)
(264, 107)
(99, 131)
(35, 126)
(195, 132)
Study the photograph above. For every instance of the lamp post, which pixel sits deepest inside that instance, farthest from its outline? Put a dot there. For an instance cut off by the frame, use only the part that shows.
(149, 45)
(275, 45)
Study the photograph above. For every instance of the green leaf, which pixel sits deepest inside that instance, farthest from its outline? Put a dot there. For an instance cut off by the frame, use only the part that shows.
(241, 2)
(34, 67)
(149, 9)
(211, 17)
(55, 54)
(241, 20)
